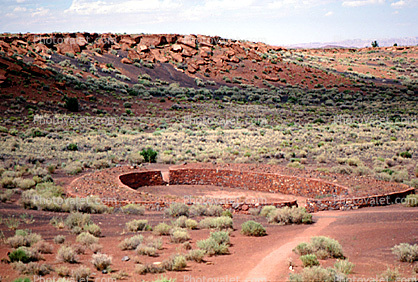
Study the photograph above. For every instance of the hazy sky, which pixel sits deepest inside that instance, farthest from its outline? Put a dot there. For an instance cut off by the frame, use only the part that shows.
(278, 22)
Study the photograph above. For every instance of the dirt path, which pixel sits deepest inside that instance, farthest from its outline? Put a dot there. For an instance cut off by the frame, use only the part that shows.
(274, 267)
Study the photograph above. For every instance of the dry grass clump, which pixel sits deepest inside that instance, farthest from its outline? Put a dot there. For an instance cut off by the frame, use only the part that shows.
(406, 252)
(138, 225)
(162, 229)
(86, 239)
(23, 238)
(131, 243)
(253, 228)
(101, 261)
(223, 222)
(67, 254)
(134, 209)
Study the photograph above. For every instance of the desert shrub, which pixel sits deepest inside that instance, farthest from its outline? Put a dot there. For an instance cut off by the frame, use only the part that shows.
(79, 249)
(211, 247)
(131, 243)
(81, 274)
(344, 266)
(214, 210)
(191, 224)
(24, 183)
(22, 280)
(406, 154)
(221, 223)
(33, 268)
(315, 273)
(86, 239)
(7, 182)
(411, 200)
(101, 261)
(146, 251)
(153, 242)
(175, 263)
(149, 268)
(180, 221)
(150, 156)
(59, 239)
(266, 210)
(43, 247)
(62, 271)
(19, 255)
(197, 210)
(253, 228)
(406, 252)
(23, 238)
(138, 225)
(179, 236)
(135, 158)
(6, 195)
(323, 247)
(67, 254)
(391, 275)
(57, 222)
(220, 237)
(162, 229)
(134, 209)
(309, 260)
(96, 248)
(291, 215)
(93, 229)
(195, 255)
(177, 209)
(227, 213)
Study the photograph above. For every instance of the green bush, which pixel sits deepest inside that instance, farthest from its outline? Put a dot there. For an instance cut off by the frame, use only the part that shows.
(253, 228)
(150, 156)
(177, 209)
(406, 252)
(291, 215)
(138, 225)
(323, 247)
(309, 260)
(19, 255)
(134, 209)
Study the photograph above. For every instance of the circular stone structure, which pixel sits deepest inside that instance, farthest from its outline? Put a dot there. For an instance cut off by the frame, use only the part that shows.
(238, 187)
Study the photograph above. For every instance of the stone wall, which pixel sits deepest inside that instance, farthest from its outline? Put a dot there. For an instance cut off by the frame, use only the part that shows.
(314, 205)
(145, 178)
(266, 182)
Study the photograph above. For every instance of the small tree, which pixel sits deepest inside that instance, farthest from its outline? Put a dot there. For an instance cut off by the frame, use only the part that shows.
(395, 45)
(149, 155)
(375, 44)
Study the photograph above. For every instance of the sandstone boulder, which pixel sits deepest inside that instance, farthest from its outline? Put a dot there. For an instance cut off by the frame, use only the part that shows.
(188, 40)
(153, 40)
(159, 56)
(126, 61)
(176, 48)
